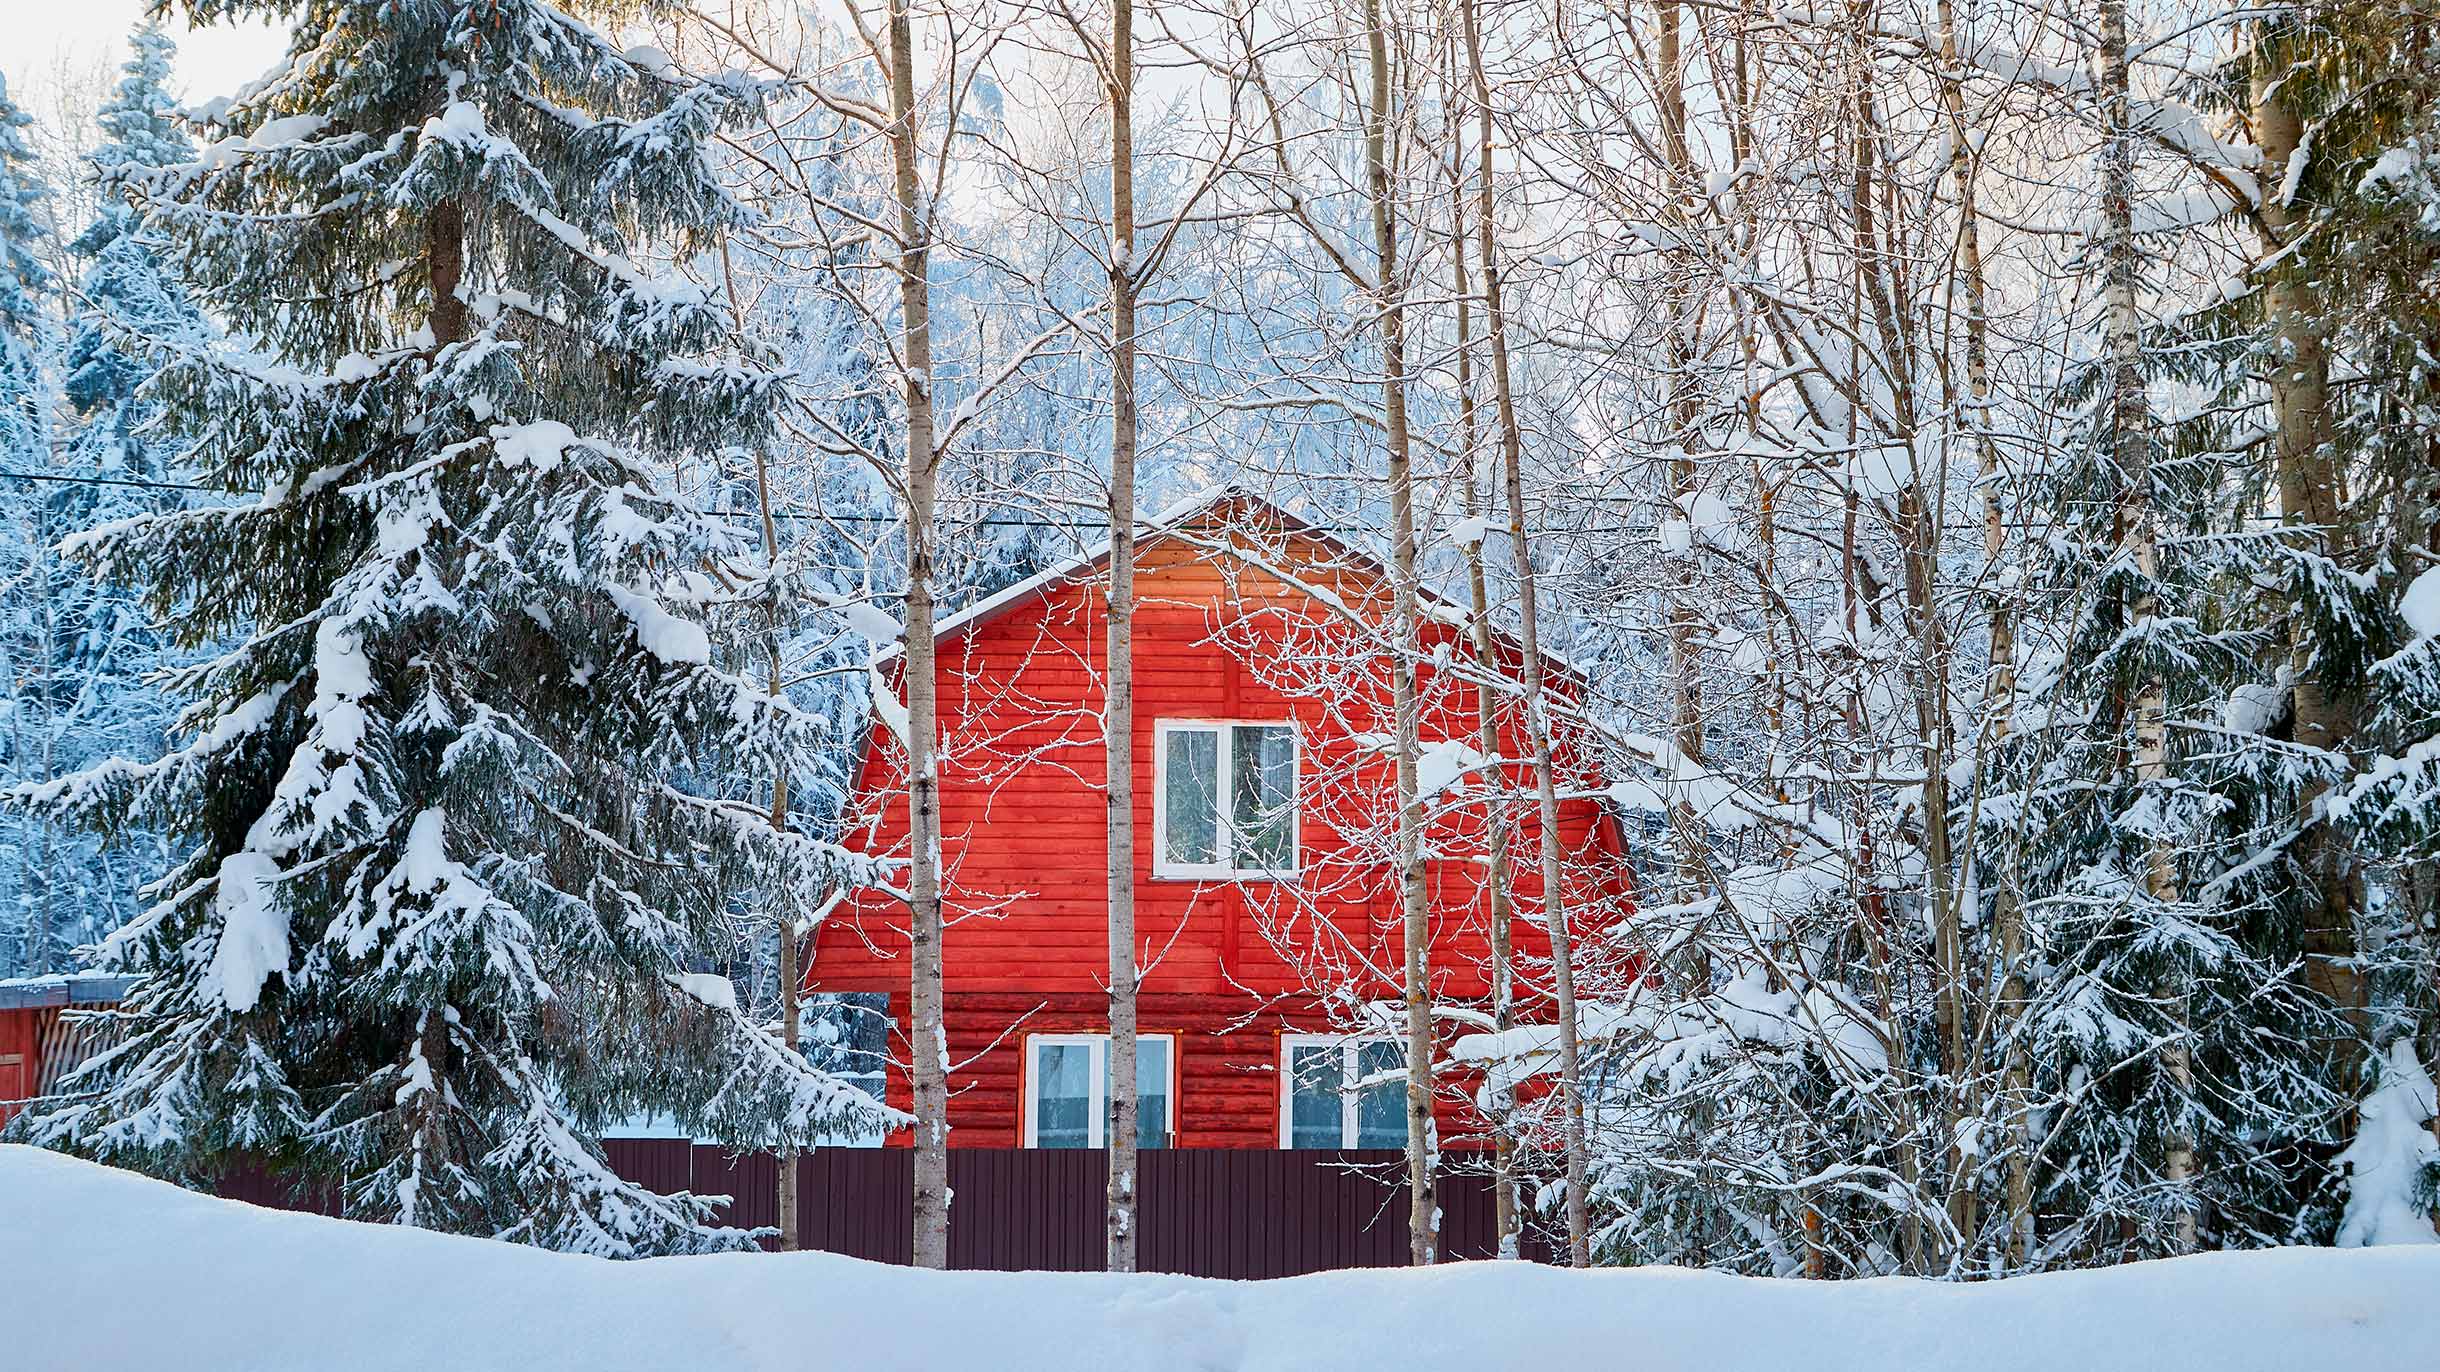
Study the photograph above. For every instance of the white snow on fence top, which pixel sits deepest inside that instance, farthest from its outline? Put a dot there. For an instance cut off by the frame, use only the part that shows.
(227, 1285)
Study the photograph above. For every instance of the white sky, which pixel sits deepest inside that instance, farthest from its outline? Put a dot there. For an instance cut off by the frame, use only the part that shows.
(43, 42)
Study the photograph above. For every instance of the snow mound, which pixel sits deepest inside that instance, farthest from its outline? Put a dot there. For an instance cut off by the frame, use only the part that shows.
(226, 1285)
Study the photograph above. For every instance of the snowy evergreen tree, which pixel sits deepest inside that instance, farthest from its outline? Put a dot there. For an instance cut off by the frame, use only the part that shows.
(447, 891)
(2165, 998)
(125, 288)
(76, 887)
(28, 608)
(2360, 77)
(2321, 374)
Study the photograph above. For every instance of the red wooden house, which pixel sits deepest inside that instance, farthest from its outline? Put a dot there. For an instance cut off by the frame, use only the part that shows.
(1267, 904)
(48, 1025)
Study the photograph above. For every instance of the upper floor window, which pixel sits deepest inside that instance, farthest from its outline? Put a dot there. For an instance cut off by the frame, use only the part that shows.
(1338, 1091)
(1224, 799)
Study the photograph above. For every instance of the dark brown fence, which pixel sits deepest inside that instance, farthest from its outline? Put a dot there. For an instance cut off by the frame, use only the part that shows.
(1207, 1212)
(1212, 1212)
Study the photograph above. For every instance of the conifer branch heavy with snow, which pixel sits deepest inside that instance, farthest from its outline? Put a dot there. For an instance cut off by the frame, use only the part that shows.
(446, 898)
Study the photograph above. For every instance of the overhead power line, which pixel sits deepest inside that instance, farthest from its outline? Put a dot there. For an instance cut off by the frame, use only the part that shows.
(989, 521)
(730, 514)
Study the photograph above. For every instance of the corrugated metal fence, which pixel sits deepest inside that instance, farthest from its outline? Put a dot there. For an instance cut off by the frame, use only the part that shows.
(1207, 1212)
(1212, 1212)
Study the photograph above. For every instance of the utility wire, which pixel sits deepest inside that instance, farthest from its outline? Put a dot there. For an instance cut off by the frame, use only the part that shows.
(992, 522)
(730, 514)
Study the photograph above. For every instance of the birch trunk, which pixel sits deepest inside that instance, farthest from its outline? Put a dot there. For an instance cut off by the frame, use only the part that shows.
(1118, 706)
(1529, 644)
(1504, 1220)
(1422, 1145)
(928, 1054)
(1999, 701)
(1685, 685)
(2131, 447)
(2308, 500)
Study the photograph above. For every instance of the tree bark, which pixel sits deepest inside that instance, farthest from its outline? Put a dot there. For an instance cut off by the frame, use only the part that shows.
(2131, 445)
(445, 261)
(1536, 685)
(791, 992)
(1999, 701)
(2308, 501)
(1502, 914)
(1422, 1146)
(1118, 706)
(1685, 622)
(928, 1038)
(791, 1030)
(445, 248)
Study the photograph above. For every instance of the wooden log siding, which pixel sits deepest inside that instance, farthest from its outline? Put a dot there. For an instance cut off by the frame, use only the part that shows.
(1228, 964)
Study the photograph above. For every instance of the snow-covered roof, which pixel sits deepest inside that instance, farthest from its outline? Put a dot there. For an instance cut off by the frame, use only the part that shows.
(36, 993)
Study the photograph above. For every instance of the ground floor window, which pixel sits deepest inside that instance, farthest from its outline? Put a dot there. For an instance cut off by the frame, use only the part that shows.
(847, 1034)
(1067, 1090)
(1341, 1091)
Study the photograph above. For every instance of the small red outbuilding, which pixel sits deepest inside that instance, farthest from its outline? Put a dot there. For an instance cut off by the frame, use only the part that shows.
(46, 1030)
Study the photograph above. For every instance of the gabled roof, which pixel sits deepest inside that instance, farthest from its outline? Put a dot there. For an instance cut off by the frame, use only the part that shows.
(1174, 521)
(1168, 521)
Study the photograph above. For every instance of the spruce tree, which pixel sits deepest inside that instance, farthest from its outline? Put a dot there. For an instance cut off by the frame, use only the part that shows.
(2164, 998)
(23, 278)
(2362, 75)
(447, 884)
(125, 287)
(2320, 373)
(27, 393)
(96, 640)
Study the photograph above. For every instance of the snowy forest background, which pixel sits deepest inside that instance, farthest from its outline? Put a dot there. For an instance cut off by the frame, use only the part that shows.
(1984, 458)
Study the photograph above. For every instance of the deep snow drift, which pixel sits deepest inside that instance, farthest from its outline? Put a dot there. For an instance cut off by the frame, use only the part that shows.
(100, 1269)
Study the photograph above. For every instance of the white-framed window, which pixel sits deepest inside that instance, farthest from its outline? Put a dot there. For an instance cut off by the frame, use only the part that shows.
(1341, 1091)
(847, 1034)
(1067, 1090)
(1224, 798)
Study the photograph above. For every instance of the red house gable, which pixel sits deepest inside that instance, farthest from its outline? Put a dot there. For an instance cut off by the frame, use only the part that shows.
(1267, 901)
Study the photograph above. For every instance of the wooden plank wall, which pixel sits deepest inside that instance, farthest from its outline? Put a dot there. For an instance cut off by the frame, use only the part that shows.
(20, 1056)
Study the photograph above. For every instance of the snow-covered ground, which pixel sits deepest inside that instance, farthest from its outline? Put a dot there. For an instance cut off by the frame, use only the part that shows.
(104, 1270)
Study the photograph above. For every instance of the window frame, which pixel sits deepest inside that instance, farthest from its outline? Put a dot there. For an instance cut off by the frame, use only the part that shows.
(874, 1083)
(1349, 1098)
(1163, 869)
(1097, 1071)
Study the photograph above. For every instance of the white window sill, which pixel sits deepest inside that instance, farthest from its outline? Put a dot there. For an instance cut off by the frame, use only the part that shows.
(1267, 875)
